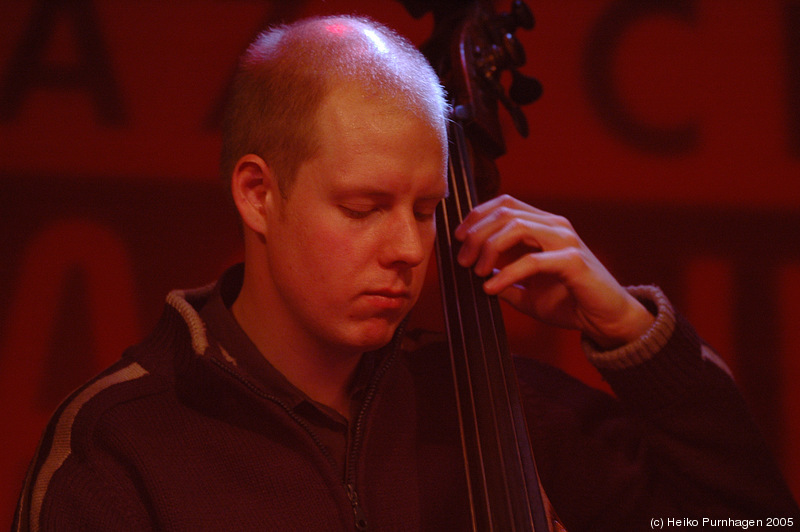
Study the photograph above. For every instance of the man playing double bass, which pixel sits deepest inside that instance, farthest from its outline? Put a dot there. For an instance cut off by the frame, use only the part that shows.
(287, 396)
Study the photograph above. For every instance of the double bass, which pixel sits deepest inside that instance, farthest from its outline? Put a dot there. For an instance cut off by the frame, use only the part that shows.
(471, 47)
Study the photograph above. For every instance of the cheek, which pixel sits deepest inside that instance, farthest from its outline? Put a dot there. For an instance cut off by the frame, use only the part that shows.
(334, 252)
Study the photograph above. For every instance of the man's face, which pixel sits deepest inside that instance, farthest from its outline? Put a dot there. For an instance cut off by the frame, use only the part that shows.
(348, 249)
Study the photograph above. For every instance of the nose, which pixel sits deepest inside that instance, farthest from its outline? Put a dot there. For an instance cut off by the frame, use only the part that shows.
(404, 243)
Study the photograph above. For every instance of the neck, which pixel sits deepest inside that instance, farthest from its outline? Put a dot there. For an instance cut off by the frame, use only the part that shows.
(321, 371)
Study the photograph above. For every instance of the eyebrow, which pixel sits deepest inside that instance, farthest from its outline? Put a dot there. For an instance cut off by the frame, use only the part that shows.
(382, 194)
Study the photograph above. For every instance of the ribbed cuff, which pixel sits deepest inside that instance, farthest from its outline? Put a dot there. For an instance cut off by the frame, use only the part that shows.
(647, 345)
(662, 366)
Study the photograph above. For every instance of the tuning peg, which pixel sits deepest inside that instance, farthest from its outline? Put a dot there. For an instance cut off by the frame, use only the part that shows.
(524, 89)
(514, 53)
(517, 116)
(520, 16)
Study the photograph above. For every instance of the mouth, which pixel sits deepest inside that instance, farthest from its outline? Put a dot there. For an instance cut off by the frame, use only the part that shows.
(388, 299)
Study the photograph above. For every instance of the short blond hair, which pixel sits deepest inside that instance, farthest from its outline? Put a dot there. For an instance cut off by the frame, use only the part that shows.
(288, 70)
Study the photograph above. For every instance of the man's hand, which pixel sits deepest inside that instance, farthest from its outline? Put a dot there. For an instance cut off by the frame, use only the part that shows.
(542, 268)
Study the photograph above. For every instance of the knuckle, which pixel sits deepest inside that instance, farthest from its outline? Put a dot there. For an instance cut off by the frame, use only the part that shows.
(505, 199)
(516, 224)
(470, 239)
(504, 214)
(577, 259)
(531, 260)
(490, 245)
(569, 239)
(573, 255)
(563, 222)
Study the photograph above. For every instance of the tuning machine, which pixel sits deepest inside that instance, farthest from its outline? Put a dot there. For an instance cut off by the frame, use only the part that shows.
(503, 52)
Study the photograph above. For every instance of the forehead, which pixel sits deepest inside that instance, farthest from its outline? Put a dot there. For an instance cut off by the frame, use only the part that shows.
(359, 106)
(370, 137)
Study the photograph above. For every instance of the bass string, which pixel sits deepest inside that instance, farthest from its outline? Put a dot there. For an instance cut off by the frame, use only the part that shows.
(486, 319)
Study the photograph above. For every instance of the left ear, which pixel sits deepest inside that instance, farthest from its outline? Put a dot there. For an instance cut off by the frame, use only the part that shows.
(253, 187)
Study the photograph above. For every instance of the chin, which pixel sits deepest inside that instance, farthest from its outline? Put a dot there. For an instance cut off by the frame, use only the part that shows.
(374, 337)
(372, 344)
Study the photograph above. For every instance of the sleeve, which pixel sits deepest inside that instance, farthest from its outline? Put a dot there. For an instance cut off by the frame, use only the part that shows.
(676, 441)
(77, 497)
(77, 479)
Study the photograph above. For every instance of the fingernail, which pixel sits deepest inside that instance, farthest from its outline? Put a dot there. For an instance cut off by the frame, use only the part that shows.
(462, 257)
(489, 285)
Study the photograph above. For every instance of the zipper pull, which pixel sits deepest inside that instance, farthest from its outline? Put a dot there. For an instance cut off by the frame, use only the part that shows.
(361, 520)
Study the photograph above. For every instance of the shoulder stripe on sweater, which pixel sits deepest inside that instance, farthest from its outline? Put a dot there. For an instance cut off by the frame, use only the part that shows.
(60, 447)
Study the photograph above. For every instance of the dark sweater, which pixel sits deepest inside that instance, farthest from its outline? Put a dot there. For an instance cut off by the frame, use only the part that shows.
(193, 430)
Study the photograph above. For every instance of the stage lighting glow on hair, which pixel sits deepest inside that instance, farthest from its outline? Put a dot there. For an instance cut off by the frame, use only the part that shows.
(336, 28)
(376, 40)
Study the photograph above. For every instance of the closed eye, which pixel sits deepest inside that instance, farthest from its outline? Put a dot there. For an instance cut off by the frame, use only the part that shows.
(425, 210)
(357, 214)
(424, 216)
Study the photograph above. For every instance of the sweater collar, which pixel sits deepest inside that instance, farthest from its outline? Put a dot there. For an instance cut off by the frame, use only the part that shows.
(228, 342)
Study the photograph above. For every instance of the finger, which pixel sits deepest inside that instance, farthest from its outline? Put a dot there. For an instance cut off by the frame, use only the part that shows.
(503, 200)
(549, 296)
(504, 203)
(506, 242)
(565, 264)
(475, 235)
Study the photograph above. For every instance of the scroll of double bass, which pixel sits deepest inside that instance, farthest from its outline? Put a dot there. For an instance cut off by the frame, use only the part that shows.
(471, 46)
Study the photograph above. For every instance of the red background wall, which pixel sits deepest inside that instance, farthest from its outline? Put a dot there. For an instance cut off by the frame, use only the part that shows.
(669, 133)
